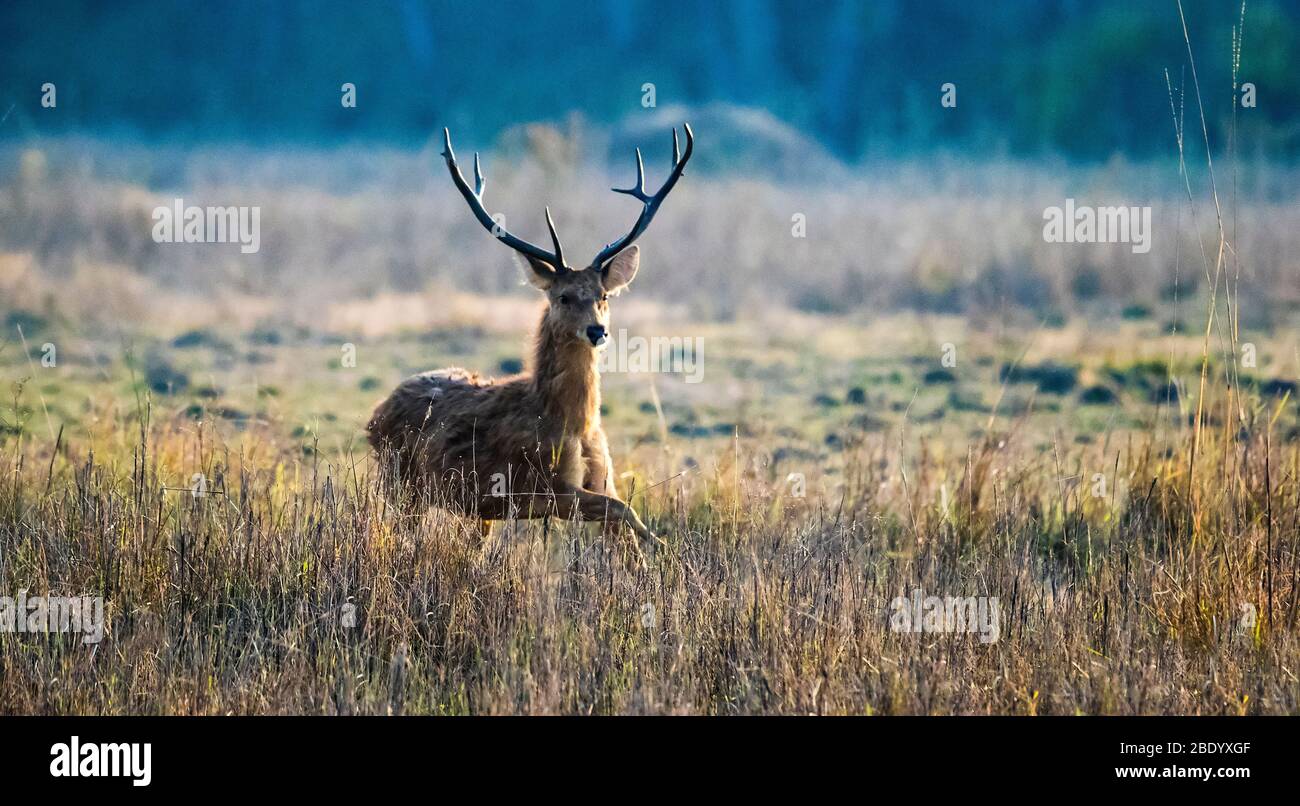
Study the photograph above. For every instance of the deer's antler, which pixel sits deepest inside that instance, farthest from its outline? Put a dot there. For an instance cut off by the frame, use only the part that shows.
(651, 203)
(475, 199)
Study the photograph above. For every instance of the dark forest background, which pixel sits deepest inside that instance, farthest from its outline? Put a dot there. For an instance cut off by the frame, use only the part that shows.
(1077, 78)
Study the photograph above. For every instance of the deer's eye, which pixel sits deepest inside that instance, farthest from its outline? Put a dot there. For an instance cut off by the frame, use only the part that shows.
(564, 299)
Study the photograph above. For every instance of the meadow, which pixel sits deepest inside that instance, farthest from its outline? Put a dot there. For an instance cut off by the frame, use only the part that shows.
(917, 393)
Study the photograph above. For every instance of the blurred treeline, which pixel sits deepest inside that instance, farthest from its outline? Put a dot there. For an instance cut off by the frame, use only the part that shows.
(1079, 78)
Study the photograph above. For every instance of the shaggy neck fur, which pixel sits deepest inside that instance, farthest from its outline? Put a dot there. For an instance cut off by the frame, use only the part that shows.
(566, 379)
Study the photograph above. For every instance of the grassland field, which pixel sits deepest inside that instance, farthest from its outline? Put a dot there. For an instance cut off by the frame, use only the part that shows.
(821, 466)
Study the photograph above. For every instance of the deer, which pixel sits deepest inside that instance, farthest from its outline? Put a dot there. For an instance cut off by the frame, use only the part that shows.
(530, 445)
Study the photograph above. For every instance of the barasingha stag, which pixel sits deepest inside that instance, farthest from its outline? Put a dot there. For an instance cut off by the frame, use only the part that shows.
(530, 445)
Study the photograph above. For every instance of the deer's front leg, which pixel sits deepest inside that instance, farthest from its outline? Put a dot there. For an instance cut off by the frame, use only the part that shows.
(613, 513)
(606, 507)
(599, 474)
(564, 500)
(599, 477)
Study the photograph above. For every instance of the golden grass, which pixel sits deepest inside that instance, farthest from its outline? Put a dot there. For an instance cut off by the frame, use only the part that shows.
(1155, 598)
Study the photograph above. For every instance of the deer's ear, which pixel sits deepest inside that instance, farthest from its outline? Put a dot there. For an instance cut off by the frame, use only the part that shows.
(620, 271)
(538, 273)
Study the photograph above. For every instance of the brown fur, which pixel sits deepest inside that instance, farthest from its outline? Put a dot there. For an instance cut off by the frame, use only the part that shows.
(536, 437)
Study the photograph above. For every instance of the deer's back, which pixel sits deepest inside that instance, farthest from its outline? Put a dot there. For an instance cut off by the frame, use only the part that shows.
(449, 422)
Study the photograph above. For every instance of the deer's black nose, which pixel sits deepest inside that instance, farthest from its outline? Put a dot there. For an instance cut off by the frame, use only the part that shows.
(596, 335)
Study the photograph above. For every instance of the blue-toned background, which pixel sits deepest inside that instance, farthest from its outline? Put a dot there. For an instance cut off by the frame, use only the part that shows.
(1082, 79)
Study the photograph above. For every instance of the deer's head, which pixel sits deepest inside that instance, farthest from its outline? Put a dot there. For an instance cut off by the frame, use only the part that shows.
(578, 298)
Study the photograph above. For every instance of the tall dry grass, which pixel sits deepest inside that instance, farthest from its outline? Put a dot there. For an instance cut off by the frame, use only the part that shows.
(1165, 597)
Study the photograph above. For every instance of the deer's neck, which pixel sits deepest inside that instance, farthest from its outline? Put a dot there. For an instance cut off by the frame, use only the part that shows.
(567, 381)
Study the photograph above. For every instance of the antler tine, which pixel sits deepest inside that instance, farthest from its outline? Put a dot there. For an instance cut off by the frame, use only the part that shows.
(474, 198)
(479, 182)
(555, 239)
(637, 191)
(651, 203)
